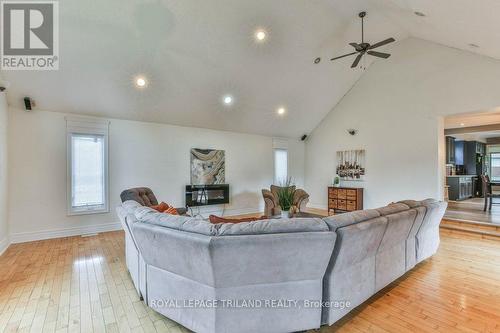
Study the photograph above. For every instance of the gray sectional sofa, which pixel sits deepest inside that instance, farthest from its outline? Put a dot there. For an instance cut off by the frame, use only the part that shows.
(280, 275)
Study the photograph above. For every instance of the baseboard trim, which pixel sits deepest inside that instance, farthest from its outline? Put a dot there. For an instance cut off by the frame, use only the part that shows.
(4, 245)
(316, 206)
(23, 237)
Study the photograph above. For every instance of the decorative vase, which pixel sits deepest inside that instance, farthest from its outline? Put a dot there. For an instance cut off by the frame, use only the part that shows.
(336, 181)
(285, 214)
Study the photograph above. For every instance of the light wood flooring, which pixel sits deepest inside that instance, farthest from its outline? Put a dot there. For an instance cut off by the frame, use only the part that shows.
(472, 210)
(80, 284)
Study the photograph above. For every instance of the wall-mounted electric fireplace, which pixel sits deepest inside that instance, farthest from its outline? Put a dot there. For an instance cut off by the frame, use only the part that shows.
(203, 195)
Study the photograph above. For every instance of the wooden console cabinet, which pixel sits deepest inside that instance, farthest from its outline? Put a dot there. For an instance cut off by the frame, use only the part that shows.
(345, 199)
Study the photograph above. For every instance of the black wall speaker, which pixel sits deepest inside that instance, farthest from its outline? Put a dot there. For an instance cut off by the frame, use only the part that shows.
(304, 137)
(27, 103)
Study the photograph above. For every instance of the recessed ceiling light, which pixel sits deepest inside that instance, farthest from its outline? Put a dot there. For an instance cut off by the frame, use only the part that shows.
(420, 14)
(140, 82)
(462, 124)
(281, 111)
(317, 60)
(260, 35)
(228, 99)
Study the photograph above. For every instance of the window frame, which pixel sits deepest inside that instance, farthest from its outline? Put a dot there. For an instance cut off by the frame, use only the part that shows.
(280, 145)
(490, 165)
(91, 127)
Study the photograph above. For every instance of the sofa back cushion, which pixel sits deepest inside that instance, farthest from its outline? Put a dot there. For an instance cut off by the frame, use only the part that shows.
(177, 222)
(272, 226)
(204, 227)
(398, 228)
(130, 206)
(392, 208)
(357, 242)
(342, 220)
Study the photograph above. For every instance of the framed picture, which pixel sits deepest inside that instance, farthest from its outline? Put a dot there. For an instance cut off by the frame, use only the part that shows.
(208, 166)
(351, 164)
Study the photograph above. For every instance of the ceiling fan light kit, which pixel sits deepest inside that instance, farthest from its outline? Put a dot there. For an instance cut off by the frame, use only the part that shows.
(365, 48)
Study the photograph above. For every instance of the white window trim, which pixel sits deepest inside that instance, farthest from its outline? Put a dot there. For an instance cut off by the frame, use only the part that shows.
(280, 144)
(89, 126)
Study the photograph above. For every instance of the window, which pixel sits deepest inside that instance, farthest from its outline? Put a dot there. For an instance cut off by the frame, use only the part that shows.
(87, 167)
(280, 166)
(495, 167)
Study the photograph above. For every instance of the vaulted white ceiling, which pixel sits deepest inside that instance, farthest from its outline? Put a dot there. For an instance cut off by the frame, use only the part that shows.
(194, 52)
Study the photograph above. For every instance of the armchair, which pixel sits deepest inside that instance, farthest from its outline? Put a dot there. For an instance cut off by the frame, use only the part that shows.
(145, 197)
(272, 207)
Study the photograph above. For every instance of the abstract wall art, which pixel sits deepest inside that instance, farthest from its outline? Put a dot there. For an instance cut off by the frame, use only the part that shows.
(208, 166)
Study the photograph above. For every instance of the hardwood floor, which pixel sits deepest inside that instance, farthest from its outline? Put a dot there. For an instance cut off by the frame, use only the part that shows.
(81, 284)
(472, 210)
(73, 284)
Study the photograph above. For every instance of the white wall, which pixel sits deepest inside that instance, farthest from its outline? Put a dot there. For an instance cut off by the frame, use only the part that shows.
(4, 231)
(141, 154)
(397, 108)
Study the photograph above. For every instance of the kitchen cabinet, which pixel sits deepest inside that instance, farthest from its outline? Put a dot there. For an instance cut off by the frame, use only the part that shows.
(450, 150)
(461, 187)
(459, 152)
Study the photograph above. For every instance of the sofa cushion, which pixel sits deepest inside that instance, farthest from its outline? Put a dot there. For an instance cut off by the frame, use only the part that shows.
(429, 201)
(392, 208)
(411, 203)
(338, 221)
(272, 226)
(200, 226)
(183, 223)
(417, 203)
(131, 206)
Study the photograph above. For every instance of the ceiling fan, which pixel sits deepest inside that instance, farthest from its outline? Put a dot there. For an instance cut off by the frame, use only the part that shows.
(364, 48)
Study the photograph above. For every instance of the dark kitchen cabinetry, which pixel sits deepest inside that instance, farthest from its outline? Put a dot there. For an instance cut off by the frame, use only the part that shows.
(450, 150)
(459, 152)
(474, 157)
(474, 163)
(461, 187)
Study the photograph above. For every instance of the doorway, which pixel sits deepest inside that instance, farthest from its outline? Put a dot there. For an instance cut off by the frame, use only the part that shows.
(472, 167)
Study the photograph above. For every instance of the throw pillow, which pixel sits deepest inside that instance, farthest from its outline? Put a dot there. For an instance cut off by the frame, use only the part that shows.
(171, 211)
(217, 219)
(161, 207)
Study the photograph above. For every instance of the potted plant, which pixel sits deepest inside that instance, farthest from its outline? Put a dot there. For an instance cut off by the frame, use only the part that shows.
(285, 197)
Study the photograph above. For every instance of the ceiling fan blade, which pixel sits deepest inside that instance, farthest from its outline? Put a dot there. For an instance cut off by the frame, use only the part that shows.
(356, 61)
(345, 55)
(387, 41)
(379, 54)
